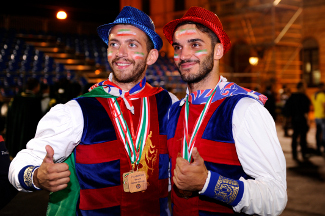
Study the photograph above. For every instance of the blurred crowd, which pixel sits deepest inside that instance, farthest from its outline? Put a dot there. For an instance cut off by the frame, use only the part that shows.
(292, 109)
(21, 114)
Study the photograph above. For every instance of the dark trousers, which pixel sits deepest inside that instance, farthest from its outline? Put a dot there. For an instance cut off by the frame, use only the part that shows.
(320, 134)
(300, 130)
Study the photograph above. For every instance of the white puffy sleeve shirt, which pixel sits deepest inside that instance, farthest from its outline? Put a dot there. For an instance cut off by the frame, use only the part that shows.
(61, 128)
(261, 156)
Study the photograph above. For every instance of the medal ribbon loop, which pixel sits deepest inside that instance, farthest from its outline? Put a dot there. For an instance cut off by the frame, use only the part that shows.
(133, 147)
(189, 144)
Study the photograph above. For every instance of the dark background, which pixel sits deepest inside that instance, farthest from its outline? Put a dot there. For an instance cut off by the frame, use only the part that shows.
(85, 11)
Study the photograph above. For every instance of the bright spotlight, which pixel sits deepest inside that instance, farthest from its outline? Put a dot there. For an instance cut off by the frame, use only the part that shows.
(253, 60)
(276, 2)
(61, 15)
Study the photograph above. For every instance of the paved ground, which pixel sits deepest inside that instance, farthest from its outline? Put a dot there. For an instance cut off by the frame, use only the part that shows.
(305, 181)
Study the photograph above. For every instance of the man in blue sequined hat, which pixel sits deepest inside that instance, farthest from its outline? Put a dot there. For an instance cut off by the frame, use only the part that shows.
(112, 139)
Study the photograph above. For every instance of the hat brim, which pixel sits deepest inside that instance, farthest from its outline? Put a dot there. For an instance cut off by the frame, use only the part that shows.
(169, 30)
(103, 31)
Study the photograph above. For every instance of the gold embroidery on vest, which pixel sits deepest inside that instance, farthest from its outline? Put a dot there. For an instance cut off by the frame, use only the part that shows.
(226, 189)
(149, 157)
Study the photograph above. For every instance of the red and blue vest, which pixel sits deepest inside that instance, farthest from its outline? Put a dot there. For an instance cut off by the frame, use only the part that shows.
(101, 159)
(216, 146)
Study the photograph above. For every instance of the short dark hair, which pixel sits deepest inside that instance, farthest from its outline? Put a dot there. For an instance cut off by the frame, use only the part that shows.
(32, 83)
(149, 44)
(214, 38)
(300, 85)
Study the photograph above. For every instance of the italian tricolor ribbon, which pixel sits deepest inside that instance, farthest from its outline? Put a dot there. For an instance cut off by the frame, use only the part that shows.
(189, 144)
(134, 148)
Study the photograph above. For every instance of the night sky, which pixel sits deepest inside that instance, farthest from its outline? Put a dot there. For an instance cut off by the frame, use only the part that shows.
(88, 11)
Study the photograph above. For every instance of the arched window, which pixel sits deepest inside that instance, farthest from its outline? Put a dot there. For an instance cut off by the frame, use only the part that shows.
(309, 56)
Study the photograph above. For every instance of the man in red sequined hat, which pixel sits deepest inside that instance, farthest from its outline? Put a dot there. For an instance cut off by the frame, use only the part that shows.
(225, 155)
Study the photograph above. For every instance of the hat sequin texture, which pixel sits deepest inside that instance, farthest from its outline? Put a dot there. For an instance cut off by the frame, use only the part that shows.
(137, 18)
(204, 17)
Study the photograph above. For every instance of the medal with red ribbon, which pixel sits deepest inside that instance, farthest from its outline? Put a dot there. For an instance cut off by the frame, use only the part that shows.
(189, 142)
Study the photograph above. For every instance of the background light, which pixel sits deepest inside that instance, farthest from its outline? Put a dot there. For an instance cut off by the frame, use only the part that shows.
(253, 60)
(276, 2)
(61, 15)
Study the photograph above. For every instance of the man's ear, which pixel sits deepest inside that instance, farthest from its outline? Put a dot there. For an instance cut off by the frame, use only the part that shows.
(152, 56)
(218, 51)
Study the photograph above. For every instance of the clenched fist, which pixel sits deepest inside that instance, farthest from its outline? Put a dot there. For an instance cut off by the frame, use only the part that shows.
(190, 176)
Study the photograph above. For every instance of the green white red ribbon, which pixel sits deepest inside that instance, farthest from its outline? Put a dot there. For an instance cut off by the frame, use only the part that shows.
(134, 148)
(189, 144)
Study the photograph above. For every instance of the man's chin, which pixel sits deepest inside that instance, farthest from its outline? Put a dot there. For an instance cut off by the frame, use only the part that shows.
(124, 79)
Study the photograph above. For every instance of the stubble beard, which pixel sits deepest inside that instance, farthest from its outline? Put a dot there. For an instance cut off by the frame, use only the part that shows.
(132, 76)
(205, 69)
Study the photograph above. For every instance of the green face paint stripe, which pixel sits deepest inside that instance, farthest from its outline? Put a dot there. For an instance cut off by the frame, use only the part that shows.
(122, 30)
(201, 51)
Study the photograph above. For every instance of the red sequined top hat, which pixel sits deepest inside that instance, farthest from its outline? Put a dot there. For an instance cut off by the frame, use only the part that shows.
(204, 17)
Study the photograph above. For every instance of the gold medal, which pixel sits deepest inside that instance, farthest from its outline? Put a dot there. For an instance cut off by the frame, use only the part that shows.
(126, 181)
(137, 181)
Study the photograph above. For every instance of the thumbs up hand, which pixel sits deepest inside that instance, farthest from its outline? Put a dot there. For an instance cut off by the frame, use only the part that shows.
(50, 176)
(190, 176)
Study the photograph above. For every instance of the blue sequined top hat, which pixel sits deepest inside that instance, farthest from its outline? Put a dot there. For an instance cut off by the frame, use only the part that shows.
(137, 18)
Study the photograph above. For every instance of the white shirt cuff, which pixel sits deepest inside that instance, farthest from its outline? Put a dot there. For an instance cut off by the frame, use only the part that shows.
(33, 179)
(207, 181)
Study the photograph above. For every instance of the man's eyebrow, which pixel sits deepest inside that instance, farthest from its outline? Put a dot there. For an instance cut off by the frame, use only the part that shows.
(133, 40)
(195, 40)
(114, 40)
(189, 41)
(129, 40)
(175, 44)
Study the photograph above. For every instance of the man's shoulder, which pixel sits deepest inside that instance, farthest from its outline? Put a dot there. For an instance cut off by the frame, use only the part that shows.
(321, 96)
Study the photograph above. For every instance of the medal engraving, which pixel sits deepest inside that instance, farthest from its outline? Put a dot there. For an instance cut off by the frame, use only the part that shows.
(137, 181)
(126, 181)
